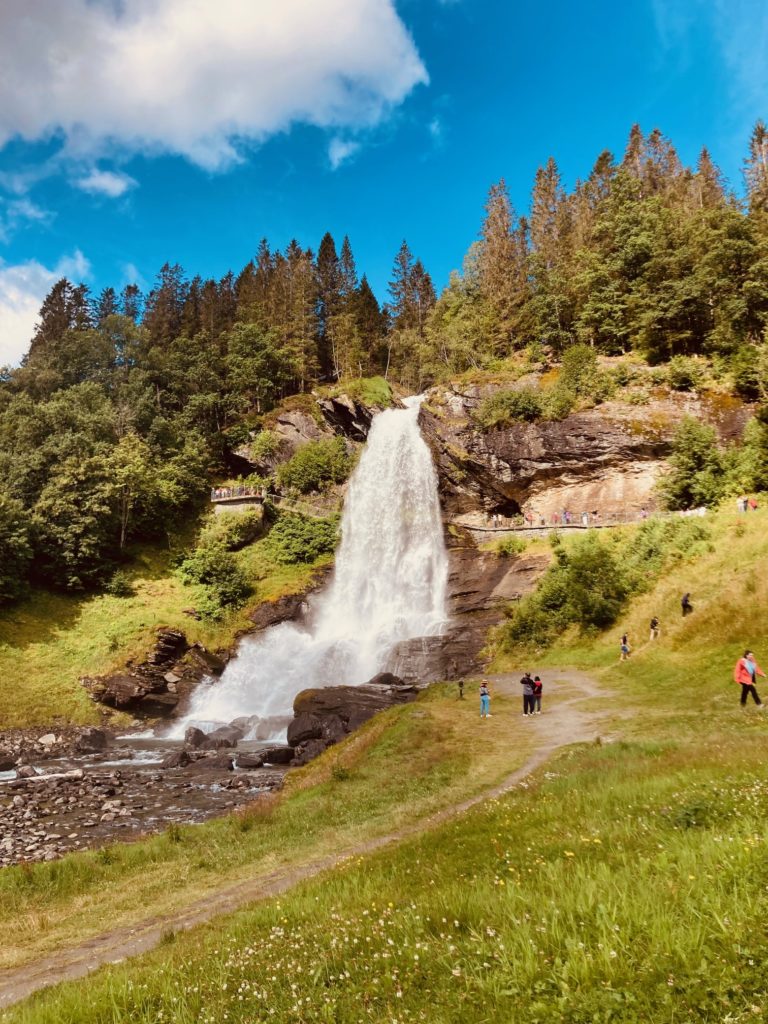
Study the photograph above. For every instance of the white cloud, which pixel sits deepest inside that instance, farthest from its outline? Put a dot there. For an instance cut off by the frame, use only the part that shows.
(340, 150)
(197, 78)
(106, 183)
(22, 290)
(16, 212)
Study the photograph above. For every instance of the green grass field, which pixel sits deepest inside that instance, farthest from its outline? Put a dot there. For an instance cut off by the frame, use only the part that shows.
(625, 881)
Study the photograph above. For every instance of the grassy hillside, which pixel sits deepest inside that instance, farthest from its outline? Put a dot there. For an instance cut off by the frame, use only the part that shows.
(51, 639)
(623, 883)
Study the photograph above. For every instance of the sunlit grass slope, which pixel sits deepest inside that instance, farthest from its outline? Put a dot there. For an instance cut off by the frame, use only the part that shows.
(49, 641)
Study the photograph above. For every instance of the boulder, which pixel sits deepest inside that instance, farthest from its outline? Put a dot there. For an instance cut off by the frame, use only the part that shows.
(304, 727)
(210, 663)
(176, 759)
(91, 741)
(26, 771)
(224, 736)
(49, 740)
(306, 752)
(249, 761)
(277, 755)
(7, 760)
(194, 737)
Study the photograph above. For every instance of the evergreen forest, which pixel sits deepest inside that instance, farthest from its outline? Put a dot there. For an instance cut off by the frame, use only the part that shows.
(126, 404)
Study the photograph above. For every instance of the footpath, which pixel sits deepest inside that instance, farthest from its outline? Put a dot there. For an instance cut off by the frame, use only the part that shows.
(564, 722)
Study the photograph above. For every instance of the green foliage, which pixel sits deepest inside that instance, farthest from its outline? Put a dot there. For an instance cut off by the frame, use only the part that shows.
(507, 406)
(508, 547)
(233, 530)
(120, 584)
(684, 373)
(264, 447)
(217, 570)
(581, 376)
(15, 549)
(296, 538)
(696, 465)
(371, 391)
(586, 586)
(316, 465)
(557, 403)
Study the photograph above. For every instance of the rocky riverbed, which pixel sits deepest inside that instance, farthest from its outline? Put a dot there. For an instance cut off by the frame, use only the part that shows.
(55, 798)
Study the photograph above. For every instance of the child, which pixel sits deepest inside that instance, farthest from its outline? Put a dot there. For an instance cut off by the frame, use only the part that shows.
(538, 686)
(485, 700)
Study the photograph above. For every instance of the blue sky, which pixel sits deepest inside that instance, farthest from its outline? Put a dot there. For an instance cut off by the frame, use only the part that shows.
(138, 131)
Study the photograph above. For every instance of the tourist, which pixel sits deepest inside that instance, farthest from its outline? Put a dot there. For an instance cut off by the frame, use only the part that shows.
(752, 505)
(585, 518)
(745, 671)
(538, 687)
(624, 648)
(485, 700)
(528, 700)
(461, 689)
(685, 604)
(654, 628)
(741, 504)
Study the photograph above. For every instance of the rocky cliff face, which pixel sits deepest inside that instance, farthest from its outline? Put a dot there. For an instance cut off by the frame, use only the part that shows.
(607, 458)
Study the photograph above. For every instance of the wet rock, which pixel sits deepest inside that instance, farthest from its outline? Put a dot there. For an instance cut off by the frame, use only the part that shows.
(277, 755)
(250, 761)
(304, 727)
(92, 741)
(224, 736)
(194, 737)
(26, 771)
(210, 663)
(176, 759)
(48, 740)
(7, 760)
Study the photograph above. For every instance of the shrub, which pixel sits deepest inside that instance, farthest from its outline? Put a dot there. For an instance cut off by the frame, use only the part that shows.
(684, 373)
(216, 569)
(558, 403)
(316, 465)
(510, 546)
(506, 406)
(15, 549)
(581, 375)
(233, 530)
(120, 584)
(264, 447)
(696, 468)
(295, 538)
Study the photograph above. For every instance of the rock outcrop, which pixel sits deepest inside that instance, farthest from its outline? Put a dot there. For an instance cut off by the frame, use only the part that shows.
(607, 458)
(154, 687)
(325, 716)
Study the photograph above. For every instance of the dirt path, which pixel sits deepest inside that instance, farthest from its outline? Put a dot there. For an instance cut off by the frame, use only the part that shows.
(564, 721)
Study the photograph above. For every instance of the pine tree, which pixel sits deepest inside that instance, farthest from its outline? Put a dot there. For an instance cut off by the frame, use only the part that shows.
(756, 169)
(131, 302)
(347, 271)
(707, 183)
(105, 306)
(503, 263)
(55, 319)
(328, 303)
(165, 305)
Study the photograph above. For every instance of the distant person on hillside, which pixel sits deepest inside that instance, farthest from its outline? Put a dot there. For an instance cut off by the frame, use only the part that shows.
(461, 689)
(655, 628)
(741, 503)
(485, 700)
(685, 604)
(624, 648)
(528, 690)
(752, 505)
(745, 671)
(538, 688)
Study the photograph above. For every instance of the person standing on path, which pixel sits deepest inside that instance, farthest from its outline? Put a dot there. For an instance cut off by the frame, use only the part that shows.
(745, 671)
(528, 700)
(655, 628)
(538, 688)
(485, 700)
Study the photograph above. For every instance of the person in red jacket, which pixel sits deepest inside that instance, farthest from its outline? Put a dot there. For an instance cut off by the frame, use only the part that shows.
(745, 671)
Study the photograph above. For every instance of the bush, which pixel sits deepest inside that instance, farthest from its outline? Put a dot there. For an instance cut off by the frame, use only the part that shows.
(216, 569)
(264, 447)
(295, 538)
(696, 468)
(684, 373)
(558, 403)
(507, 406)
(316, 465)
(510, 546)
(233, 530)
(120, 584)
(581, 375)
(15, 549)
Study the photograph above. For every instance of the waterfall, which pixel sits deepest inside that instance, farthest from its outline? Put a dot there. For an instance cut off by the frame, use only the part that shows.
(389, 585)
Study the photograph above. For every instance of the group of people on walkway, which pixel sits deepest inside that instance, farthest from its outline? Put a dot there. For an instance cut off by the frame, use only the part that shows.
(533, 689)
(237, 492)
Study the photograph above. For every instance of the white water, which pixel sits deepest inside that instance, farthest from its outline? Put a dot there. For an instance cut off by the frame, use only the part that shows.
(389, 585)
